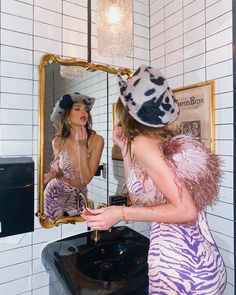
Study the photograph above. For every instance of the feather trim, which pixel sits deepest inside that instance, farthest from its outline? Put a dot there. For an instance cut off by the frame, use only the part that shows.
(196, 166)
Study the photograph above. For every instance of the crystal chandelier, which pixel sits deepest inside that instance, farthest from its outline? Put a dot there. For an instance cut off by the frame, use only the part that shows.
(115, 28)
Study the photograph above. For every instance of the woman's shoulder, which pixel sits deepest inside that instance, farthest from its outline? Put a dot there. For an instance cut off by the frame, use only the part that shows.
(143, 140)
(146, 147)
(96, 138)
(56, 142)
(96, 141)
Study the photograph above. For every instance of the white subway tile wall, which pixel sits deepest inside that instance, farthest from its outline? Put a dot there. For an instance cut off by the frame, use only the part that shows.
(199, 48)
(189, 40)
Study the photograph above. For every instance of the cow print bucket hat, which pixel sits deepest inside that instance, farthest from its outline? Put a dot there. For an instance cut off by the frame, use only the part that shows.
(66, 102)
(148, 98)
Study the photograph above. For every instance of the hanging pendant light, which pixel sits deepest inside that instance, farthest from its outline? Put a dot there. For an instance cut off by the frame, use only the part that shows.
(115, 28)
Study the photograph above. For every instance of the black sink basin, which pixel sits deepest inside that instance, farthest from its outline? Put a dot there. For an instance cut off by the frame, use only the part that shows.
(116, 264)
(113, 261)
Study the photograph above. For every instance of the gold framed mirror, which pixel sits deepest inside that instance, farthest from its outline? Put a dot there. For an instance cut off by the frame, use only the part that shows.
(53, 84)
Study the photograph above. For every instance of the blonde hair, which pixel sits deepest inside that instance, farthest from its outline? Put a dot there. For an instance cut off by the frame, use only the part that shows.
(132, 127)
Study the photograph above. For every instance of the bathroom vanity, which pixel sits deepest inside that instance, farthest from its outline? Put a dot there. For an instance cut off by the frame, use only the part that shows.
(115, 265)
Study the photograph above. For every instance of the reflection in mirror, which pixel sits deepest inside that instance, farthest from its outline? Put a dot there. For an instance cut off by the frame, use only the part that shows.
(77, 148)
(70, 154)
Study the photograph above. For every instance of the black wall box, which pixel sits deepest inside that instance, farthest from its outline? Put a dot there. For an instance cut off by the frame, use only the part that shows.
(16, 195)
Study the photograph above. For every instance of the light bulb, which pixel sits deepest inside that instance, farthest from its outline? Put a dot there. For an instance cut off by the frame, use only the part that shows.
(114, 14)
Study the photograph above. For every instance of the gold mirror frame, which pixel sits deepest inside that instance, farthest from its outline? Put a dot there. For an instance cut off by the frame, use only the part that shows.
(45, 61)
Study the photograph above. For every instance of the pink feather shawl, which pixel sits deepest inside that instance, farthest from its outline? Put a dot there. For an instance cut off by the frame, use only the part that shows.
(196, 166)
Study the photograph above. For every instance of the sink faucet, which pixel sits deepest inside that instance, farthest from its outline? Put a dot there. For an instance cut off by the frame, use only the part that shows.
(95, 235)
(101, 205)
(84, 202)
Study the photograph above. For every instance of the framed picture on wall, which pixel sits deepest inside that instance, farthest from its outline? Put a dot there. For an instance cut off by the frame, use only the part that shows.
(116, 152)
(196, 104)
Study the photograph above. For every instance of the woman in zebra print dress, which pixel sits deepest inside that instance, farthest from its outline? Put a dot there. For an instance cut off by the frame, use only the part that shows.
(170, 181)
(77, 152)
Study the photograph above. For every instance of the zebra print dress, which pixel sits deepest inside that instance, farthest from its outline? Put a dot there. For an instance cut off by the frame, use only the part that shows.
(183, 259)
(60, 198)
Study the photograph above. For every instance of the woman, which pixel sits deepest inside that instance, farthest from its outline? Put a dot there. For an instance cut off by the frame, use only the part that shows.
(171, 181)
(77, 152)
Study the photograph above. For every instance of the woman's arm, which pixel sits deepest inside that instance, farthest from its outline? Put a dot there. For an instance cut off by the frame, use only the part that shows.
(89, 167)
(54, 171)
(179, 208)
(119, 138)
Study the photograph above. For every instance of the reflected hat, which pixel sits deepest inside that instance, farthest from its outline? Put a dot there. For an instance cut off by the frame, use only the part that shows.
(148, 98)
(66, 102)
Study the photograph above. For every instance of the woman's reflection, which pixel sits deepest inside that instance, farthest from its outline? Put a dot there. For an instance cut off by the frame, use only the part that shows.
(77, 152)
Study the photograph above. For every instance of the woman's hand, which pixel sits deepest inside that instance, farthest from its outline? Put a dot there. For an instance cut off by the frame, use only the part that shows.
(119, 138)
(49, 176)
(103, 218)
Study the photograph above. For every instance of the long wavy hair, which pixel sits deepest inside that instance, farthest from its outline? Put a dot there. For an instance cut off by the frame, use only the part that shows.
(64, 129)
(132, 128)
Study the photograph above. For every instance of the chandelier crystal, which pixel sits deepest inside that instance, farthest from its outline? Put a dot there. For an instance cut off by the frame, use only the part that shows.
(115, 28)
